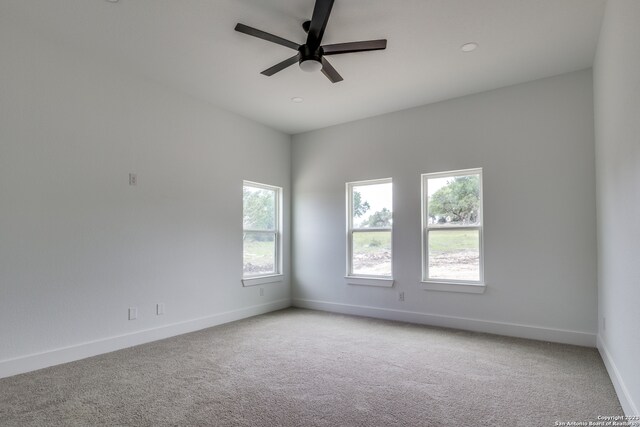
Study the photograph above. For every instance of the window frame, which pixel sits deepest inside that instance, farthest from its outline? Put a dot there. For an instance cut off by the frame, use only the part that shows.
(365, 279)
(276, 276)
(453, 285)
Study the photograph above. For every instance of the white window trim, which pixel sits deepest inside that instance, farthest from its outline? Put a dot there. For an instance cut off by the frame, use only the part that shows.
(468, 288)
(365, 279)
(369, 281)
(277, 276)
(465, 286)
(255, 281)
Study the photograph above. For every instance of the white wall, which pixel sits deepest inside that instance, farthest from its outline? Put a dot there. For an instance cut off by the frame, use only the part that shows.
(535, 142)
(78, 246)
(617, 118)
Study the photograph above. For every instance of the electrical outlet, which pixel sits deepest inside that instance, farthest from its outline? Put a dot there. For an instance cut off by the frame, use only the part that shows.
(160, 309)
(133, 179)
(261, 292)
(133, 313)
(401, 296)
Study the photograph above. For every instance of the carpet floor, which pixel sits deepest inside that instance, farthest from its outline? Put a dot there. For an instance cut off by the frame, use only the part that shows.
(306, 368)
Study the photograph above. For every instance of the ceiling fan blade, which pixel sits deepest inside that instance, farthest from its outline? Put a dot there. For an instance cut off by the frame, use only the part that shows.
(363, 46)
(330, 72)
(266, 36)
(319, 19)
(281, 66)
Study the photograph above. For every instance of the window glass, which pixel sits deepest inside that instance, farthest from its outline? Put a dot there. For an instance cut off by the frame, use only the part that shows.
(370, 220)
(454, 200)
(261, 235)
(372, 205)
(259, 208)
(372, 253)
(259, 253)
(454, 254)
(452, 223)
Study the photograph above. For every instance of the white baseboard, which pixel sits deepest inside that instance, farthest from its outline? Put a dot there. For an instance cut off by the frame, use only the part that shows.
(629, 407)
(584, 339)
(57, 356)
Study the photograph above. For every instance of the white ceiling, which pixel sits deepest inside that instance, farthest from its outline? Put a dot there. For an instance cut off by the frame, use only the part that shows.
(191, 45)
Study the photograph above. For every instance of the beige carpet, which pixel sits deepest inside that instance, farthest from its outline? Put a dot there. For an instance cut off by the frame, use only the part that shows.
(306, 368)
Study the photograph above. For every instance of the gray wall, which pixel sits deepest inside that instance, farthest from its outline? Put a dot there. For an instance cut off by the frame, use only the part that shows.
(617, 113)
(535, 142)
(79, 246)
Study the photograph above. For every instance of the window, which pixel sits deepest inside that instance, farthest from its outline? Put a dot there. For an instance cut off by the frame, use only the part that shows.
(452, 229)
(261, 239)
(369, 224)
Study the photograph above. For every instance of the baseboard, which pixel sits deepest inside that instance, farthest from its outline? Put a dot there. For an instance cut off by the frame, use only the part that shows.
(57, 356)
(629, 407)
(499, 328)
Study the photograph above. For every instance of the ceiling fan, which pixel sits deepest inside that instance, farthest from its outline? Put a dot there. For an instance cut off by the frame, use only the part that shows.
(311, 55)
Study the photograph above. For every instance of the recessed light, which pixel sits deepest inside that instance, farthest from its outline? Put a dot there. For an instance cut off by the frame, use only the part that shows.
(469, 47)
(113, 1)
(297, 99)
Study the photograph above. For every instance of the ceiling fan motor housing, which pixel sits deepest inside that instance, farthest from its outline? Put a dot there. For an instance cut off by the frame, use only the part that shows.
(306, 54)
(310, 58)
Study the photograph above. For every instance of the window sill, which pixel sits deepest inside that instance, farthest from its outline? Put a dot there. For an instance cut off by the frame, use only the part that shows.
(469, 288)
(261, 280)
(369, 281)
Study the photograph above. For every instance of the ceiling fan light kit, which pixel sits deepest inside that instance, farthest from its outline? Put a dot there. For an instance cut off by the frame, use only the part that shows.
(310, 65)
(311, 55)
